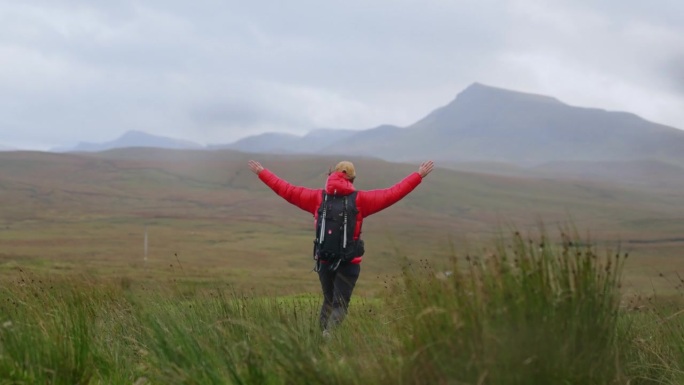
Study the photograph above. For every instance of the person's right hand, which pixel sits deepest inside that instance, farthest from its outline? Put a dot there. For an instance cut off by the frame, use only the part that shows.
(255, 166)
(426, 168)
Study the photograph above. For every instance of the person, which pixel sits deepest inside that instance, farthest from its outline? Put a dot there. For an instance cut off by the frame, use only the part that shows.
(338, 283)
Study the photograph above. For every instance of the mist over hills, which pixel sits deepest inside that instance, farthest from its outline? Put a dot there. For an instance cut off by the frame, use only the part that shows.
(482, 124)
(487, 124)
(132, 139)
(279, 143)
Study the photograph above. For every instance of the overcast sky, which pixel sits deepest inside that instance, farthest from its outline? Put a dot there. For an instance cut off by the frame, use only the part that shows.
(213, 71)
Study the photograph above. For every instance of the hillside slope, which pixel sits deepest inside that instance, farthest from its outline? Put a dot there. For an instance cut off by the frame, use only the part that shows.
(139, 184)
(487, 124)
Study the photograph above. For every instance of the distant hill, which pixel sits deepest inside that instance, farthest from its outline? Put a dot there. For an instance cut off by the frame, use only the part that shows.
(486, 124)
(6, 148)
(279, 143)
(273, 142)
(133, 139)
(483, 126)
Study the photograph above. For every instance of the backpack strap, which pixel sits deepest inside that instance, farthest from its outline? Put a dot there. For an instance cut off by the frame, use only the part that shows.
(321, 236)
(344, 240)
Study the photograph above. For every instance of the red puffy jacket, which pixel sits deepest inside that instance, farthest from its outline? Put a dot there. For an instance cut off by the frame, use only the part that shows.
(367, 202)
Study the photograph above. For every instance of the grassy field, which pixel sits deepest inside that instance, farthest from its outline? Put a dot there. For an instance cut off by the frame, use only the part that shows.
(534, 311)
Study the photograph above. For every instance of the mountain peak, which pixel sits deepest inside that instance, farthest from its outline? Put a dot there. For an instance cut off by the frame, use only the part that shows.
(478, 92)
(477, 103)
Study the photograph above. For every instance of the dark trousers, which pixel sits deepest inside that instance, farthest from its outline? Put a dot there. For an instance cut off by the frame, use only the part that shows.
(337, 290)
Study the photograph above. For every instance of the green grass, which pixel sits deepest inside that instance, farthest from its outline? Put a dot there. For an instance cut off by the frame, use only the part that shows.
(528, 310)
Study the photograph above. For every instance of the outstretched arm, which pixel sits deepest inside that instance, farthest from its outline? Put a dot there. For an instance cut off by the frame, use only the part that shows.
(305, 198)
(370, 202)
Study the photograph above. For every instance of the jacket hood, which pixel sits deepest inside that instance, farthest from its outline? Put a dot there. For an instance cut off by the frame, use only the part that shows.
(338, 184)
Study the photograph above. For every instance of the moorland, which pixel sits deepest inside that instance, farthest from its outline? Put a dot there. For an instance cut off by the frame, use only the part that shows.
(476, 278)
(207, 217)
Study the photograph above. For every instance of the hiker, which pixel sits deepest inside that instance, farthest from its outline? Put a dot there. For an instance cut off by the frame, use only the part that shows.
(338, 248)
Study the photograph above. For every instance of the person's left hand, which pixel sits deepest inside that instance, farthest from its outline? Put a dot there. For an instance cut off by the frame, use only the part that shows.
(255, 166)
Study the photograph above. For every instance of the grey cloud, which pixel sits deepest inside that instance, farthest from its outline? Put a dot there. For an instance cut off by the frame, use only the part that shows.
(242, 115)
(675, 69)
(663, 12)
(215, 71)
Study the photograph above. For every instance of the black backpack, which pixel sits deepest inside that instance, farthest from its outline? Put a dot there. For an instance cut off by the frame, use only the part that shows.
(335, 226)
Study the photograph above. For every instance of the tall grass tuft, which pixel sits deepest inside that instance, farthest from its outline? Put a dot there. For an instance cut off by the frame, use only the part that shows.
(533, 311)
(229, 338)
(652, 329)
(60, 331)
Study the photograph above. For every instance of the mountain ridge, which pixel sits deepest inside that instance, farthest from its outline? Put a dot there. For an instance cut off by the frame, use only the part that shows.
(283, 143)
(481, 124)
(491, 124)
